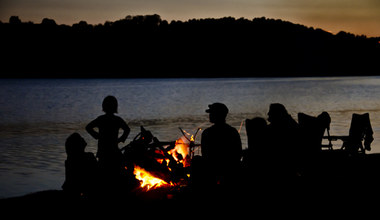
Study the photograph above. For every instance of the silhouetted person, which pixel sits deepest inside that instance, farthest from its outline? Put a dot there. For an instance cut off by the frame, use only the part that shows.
(109, 155)
(81, 168)
(283, 135)
(221, 147)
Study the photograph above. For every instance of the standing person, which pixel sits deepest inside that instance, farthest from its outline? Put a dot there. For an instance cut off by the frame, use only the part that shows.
(109, 155)
(221, 147)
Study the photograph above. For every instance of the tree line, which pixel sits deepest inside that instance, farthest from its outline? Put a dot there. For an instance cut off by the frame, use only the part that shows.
(148, 46)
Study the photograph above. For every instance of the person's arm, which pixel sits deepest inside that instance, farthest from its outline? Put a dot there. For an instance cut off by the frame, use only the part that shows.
(126, 131)
(90, 129)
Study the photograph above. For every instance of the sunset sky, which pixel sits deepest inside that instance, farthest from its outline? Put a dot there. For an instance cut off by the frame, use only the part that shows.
(355, 16)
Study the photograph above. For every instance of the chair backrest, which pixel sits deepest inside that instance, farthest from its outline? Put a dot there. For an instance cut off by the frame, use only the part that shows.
(312, 129)
(360, 129)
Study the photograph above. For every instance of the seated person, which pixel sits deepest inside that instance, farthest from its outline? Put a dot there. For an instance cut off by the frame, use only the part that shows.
(283, 143)
(221, 147)
(81, 167)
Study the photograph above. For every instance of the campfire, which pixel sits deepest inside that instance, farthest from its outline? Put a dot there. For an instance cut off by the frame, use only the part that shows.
(160, 164)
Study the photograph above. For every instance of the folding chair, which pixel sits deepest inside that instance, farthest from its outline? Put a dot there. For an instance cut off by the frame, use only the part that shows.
(312, 130)
(360, 129)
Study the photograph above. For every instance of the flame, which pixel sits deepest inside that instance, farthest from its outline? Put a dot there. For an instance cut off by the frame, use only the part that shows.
(147, 181)
(182, 148)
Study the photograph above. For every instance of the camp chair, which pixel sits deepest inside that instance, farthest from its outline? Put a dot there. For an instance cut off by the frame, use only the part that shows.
(360, 129)
(312, 130)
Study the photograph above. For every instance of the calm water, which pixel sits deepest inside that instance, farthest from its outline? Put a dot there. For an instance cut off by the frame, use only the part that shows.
(36, 116)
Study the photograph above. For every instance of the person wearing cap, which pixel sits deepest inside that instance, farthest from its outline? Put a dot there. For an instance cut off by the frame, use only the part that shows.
(221, 147)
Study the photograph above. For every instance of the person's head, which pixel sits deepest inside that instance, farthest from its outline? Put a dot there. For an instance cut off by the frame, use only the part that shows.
(217, 112)
(110, 105)
(75, 144)
(277, 112)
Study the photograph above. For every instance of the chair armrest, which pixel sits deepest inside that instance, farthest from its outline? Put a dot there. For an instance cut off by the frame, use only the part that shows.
(335, 138)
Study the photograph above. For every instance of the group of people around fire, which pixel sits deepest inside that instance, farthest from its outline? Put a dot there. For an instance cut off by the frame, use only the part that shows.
(221, 148)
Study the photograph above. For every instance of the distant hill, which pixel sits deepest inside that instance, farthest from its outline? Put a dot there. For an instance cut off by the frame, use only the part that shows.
(147, 46)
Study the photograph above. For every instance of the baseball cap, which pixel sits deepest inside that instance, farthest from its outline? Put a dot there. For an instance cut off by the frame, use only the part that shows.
(217, 108)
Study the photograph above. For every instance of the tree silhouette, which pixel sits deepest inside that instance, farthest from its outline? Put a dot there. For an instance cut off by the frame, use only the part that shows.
(14, 20)
(48, 22)
(147, 46)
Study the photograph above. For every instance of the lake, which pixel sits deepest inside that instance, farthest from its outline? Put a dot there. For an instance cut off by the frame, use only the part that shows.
(37, 115)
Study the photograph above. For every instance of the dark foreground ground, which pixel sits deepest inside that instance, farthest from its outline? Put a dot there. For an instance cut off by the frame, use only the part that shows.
(345, 187)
